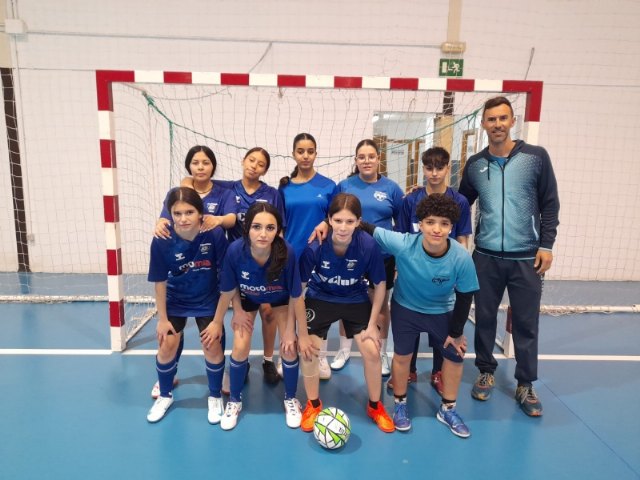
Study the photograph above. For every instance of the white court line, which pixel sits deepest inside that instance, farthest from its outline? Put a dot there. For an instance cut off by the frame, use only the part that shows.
(253, 353)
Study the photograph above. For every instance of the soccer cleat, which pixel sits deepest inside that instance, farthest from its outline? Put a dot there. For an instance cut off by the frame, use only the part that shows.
(270, 373)
(381, 417)
(386, 365)
(482, 388)
(292, 412)
(341, 359)
(159, 409)
(325, 370)
(436, 382)
(528, 399)
(401, 418)
(452, 420)
(413, 378)
(230, 418)
(309, 416)
(226, 383)
(155, 390)
(216, 410)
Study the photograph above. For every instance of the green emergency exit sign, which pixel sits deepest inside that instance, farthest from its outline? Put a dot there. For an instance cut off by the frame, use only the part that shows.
(451, 67)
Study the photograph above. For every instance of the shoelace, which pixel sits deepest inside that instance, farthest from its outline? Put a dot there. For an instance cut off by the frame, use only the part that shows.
(291, 406)
(484, 379)
(531, 395)
(232, 409)
(452, 417)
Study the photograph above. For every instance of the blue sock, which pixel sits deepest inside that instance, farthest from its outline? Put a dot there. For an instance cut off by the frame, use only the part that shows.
(214, 377)
(166, 372)
(290, 373)
(237, 372)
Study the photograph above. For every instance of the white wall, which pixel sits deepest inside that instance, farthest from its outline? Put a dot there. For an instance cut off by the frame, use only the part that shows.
(585, 51)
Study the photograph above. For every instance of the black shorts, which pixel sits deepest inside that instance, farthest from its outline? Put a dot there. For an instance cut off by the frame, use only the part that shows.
(321, 314)
(249, 306)
(389, 271)
(180, 322)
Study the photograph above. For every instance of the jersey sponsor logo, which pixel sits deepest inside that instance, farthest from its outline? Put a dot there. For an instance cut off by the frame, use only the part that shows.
(380, 196)
(179, 256)
(339, 280)
(257, 289)
(326, 265)
(440, 280)
(238, 199)
(351, 264)
(185, 267)
(245, 275)
(211, 207)
(240, 217)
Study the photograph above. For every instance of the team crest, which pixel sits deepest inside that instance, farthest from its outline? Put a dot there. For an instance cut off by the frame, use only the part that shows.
(211, 207)
(380, 196)
(351, 264)
(204, 248)
(439, 280)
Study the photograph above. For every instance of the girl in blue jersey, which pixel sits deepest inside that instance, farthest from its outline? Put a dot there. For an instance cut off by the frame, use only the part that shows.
(259, 268)
(306, 196)
(381, 200)
(219, 208)
(435, 164)
(185, 268)
(435, 285)
(338, 290)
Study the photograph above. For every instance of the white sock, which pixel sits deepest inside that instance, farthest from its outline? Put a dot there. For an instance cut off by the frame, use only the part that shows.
(323, 349)
(268, 359)
(383, 345)
(345, 343)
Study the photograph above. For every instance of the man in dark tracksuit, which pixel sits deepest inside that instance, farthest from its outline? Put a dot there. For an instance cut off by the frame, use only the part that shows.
(518, 203)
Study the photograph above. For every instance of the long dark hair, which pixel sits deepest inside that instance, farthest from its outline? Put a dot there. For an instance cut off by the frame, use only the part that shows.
(362, 143)
(186, 195)
(200, 148)
(298, 138)
(345, 201)
(266, 155)
(279, 254)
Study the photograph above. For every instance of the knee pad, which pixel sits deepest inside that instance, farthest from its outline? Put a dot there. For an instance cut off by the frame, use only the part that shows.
(310, 368)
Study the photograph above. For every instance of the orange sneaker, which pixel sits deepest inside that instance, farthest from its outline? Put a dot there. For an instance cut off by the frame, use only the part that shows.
(381, 417)
(309, 416)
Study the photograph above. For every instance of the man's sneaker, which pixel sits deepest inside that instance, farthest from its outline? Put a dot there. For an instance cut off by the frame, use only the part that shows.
(482, 388)
(452, 420)
(381, 417)
(226, 383)
(436, 382)
(155, 390)
(401, 418)
(528, 400)
(386, 364)
(292, 412)
(341, 359)
(270, 373)
(309, 416)
(216, 410)
(413, 378)
(279, 368)
(230, 418)
(159, 409)
(325, 370)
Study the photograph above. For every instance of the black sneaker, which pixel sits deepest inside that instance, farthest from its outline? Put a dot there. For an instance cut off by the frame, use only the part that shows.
(270, 373)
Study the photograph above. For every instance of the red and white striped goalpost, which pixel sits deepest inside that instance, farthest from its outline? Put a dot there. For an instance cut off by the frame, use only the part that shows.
(105, 79)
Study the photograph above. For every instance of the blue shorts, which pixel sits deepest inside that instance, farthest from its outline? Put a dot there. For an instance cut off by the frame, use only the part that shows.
(407, 325)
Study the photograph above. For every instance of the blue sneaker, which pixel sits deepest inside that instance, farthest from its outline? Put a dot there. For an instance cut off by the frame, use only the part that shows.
(452, 420)
(401, 417)
(483, 386)
(528, 400)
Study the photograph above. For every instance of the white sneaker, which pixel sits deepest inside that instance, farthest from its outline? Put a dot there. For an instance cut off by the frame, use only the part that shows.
(159, 409)
(155, 390)
(279, 367)
(216, 410)
(325, 370)
(386, 365)
(341, 359)
(230, 418)
(293, 412)
(226, 383)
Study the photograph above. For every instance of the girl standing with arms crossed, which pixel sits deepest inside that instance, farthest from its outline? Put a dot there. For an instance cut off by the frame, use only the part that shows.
(306, 195)
(259, 268)
(337, 289)
(185, 268)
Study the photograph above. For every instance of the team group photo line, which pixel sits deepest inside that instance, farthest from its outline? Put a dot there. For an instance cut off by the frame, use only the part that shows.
(361, 253)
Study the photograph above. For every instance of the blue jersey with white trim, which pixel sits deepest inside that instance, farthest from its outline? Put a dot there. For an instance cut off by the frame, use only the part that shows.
(219, 201)
(381, 200)
(190, 269)
(240, 270)
(341, 279)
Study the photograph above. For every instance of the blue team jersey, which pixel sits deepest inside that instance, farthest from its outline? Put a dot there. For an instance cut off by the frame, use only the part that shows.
(305, 205)
(426, 284)
(341, 279)
(408, 221)
(244, 200)
(190, 269)
(240, 270)
(219, 201)
(381, 201)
